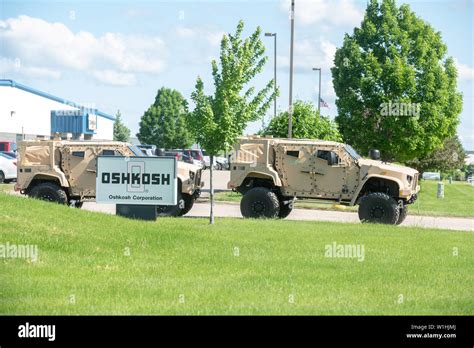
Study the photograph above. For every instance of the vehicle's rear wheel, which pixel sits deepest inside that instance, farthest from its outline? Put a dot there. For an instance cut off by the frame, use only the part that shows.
(285, 209)
(2, 177)
(403, 214)
(379, 208)
(172, 210)
(260, 202)
(50, 192)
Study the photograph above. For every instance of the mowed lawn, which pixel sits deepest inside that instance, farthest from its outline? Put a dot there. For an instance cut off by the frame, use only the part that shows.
(458, 200)
(92, 263)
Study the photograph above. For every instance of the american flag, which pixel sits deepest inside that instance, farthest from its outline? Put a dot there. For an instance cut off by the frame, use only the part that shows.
(322, 103)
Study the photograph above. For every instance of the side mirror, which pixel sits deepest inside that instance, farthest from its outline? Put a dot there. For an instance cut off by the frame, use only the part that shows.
(374, 154)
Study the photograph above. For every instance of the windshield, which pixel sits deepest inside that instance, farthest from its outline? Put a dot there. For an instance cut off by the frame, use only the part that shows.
(353, 153)
(136, 150)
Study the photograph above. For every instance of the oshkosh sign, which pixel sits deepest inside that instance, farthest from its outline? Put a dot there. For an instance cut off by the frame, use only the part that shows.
(136, 180)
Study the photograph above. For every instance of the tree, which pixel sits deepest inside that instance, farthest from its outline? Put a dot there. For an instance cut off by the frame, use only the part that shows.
(396, 90)
(164, 124)
(307, 124)
(121, 132)
(219, 119)
(448, 158)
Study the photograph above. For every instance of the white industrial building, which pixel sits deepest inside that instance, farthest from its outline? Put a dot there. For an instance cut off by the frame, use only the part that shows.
(27, 113)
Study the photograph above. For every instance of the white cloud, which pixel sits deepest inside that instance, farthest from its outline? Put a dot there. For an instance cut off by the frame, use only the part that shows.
(310, 53)
(43, 46)
(465, 72)
(111, 77)
(215, 38)
(335, 12)
(211, 36)
(185, 32)
(9, 65)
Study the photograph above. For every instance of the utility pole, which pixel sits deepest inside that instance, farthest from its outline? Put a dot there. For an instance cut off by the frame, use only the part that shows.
(319, 91)
(290, 108)
(275, 69)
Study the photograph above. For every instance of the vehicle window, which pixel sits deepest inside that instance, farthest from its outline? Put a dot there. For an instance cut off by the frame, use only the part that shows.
(2, 147)
(136, 151)
(36, 155)
(326, 155)
(78, 154)
(110, 153)
(293, 153)
(353, 153)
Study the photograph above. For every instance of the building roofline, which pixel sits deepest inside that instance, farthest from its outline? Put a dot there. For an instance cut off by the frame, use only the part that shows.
(14, 84)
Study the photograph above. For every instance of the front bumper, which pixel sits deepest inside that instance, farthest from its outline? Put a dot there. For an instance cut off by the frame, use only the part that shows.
(412, 199)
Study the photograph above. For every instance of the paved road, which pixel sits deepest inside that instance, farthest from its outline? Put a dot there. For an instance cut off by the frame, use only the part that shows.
(201, 209)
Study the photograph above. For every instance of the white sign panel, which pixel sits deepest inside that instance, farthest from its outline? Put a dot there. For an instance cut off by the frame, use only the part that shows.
(136, 180)
(92, 122)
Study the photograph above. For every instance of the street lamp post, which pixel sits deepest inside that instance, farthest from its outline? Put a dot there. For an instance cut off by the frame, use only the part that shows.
(290, 108)
(319, 91)
(275, 69)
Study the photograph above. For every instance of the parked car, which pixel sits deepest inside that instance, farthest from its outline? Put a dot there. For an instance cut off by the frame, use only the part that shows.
(7, 146)
(10, 154)
(7, 168)
(220, 163)
(431, 176)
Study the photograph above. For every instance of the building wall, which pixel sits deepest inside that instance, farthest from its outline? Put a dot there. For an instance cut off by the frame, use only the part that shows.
(105, 129)
(22, 112)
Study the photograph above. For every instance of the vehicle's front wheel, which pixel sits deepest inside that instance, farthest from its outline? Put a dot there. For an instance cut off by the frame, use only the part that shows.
(260, 202)
(188, 204)
(402, 215)
(2, 177)
(285, 209)
(185, 203)
(379, 207)
(50, 192)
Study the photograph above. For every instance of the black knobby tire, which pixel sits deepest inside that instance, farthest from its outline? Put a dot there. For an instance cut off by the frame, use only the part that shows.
(285, 209)
(78, 205)
(379, 208)
(188, 204)
(403, 214)
(260, 202)
(172, 210)
(49, 191)
(2, 177)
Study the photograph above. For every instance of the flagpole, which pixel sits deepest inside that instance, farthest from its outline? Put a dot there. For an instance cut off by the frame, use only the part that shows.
(319, 91)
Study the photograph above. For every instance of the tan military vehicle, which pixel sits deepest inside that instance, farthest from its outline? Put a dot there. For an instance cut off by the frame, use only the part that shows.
(65, 172)
(272, 173)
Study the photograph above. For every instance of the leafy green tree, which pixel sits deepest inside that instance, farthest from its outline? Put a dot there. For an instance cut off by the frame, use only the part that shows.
(219, 119)
(164, 124)
(121, 132)
(396, 89)
(307, 124)
(448, 158)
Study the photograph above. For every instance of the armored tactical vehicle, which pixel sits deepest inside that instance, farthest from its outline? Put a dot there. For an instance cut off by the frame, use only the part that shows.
(272, 173)
(65, 172)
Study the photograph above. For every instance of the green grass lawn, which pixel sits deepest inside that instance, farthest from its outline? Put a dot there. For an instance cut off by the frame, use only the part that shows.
(92, 263)
(458, 201)
(6, 187)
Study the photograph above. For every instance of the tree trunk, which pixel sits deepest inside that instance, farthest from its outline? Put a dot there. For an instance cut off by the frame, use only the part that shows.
(211, 189)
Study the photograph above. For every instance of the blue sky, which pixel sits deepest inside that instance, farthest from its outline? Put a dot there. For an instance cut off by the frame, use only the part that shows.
(116, 54)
